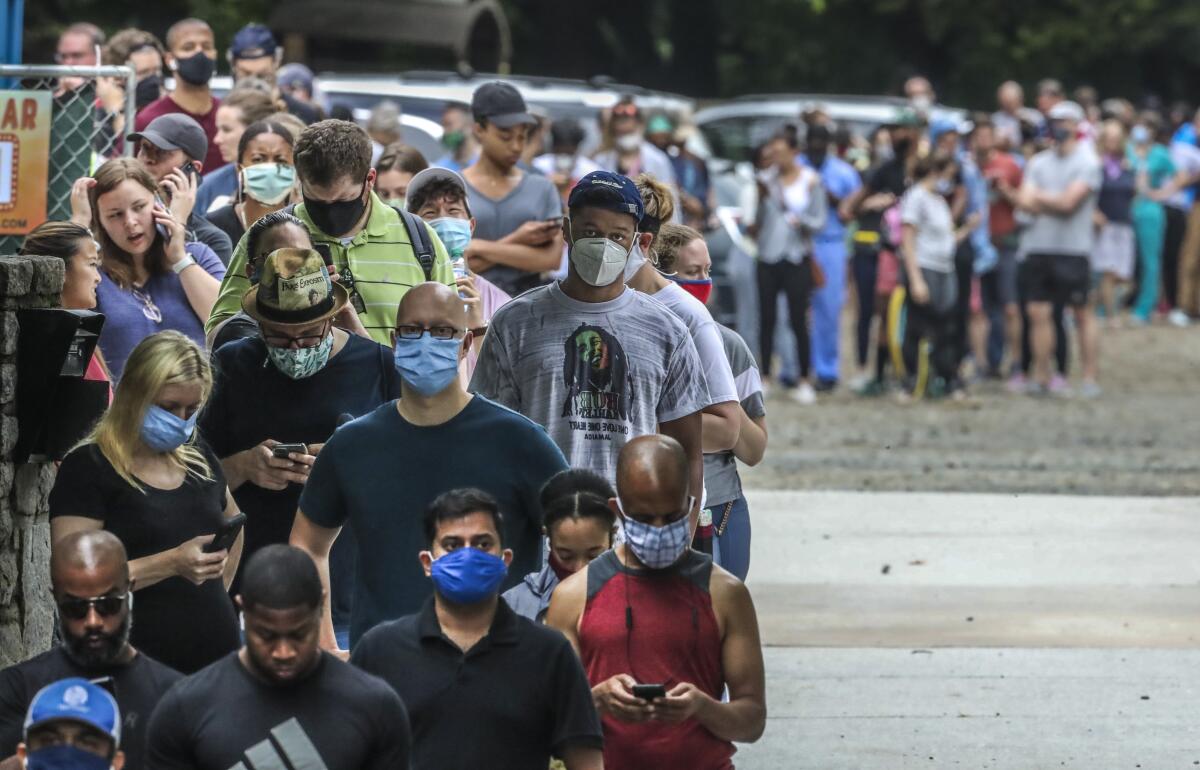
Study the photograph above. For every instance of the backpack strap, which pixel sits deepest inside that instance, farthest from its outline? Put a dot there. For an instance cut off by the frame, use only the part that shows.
(419, 237)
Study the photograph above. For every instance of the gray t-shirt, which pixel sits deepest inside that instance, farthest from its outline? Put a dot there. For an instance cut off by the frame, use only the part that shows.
(1051, 233)
(594, 374)
(930, 214)
(718, 376)
(721, 478)
(534, 199)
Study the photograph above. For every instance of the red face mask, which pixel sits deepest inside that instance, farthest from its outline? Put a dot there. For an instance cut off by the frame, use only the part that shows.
(560, 569)
(700, 289)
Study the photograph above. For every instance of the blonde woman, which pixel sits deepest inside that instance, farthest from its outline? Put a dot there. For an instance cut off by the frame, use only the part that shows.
(146, 477)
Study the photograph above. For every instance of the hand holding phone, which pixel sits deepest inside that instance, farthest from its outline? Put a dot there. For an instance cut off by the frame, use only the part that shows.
(227, 534)
(649, 692)
(282, 451)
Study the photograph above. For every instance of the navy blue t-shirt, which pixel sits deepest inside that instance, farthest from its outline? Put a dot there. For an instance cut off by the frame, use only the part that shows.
(381, 472)
(253, 401)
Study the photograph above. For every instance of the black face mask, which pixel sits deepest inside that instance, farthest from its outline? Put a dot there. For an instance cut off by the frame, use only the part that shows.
(901, 146)
(335, 218)
(148, 90)
(196, 69)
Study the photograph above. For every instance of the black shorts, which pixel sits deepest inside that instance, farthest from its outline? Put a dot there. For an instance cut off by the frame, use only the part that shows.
(1059, 278)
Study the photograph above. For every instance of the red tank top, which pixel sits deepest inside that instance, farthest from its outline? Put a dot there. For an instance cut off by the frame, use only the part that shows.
(674, 639)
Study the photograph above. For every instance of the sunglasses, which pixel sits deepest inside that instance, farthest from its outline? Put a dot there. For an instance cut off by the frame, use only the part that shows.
(106, 606)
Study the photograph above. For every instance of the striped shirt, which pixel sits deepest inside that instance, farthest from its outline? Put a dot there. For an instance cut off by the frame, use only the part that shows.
(380, 258)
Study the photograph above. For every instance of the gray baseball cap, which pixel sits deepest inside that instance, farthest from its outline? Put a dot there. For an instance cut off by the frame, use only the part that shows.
(175, 132)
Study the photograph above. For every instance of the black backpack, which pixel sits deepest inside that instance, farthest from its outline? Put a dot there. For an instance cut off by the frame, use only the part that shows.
(417, 235)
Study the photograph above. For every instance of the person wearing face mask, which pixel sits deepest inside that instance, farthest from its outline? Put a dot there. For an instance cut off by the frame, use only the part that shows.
(192, 58)
(72, 724)
(253, 52)
(564, 165)
(370, 244)
(579, 526)
(628, 152)
(461, 147)
(90, 581)
(593, 361)
(294, 383)
(1155, 168)
(439, 196)
(375, 472)
(653, 612)
(1059, 191)
(266, 178)
(394, 172)
(516, 685)
(144, 52)
(146, 476)
(242, 107)
(683, 253)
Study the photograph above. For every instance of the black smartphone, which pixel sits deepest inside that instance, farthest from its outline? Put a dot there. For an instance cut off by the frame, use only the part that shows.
(189, 170)
(283, 450)
(326, 256)
(227, 534)
(649, 692)
(159, 226)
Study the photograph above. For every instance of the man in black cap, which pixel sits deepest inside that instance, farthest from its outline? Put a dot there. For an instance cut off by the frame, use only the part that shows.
(254, 53)
(173, 148)
(517, 214)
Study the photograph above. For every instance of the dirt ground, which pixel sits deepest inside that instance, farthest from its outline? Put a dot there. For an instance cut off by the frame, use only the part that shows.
(1142, 437)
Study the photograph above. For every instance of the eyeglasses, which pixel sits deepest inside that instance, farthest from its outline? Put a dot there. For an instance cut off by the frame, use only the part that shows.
(106, 606)
(149, 309)
(408, 332)
(306, 341)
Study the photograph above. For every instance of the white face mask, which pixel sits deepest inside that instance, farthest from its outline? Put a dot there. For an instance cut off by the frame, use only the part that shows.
(637, 258)
(598, 261)
(629, 142)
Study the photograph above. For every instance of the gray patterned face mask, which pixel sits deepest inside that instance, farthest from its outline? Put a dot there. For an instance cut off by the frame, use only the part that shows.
(658, 547)
(299, 363)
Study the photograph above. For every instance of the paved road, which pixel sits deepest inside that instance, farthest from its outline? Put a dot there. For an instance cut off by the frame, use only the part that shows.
(988, 631)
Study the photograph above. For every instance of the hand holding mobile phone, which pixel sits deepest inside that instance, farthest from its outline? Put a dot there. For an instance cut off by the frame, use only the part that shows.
(281, 451)
(226, 535)
(649, 692)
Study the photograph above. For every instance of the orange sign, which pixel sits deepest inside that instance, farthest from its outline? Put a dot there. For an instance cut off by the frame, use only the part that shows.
(24, 159)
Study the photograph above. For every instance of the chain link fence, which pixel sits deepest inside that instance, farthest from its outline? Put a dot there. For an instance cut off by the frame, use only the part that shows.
(92, 111)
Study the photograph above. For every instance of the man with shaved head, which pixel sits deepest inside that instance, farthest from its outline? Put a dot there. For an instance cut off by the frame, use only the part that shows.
(382, 471)
(661, 630)
(90, 578)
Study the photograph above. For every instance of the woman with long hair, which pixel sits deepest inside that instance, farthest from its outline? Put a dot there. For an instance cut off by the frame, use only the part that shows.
(152, 279)
(396, 167)
(266, 178)
(145, 476)
(1115, 250)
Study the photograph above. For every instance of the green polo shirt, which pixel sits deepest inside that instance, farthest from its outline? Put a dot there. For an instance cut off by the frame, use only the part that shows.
(381, 260)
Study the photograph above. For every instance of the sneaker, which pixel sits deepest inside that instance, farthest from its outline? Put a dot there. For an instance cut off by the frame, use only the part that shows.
(1179, 318)
(1058, 386)
(825, 386)
(804, 394)
(1090, 389)
(858, 382)
(1018, 383)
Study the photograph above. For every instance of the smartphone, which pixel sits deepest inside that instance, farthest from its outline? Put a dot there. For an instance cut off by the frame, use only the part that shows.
(283, 450)
(189, 170)
(326, 256)
(649, 692)
(159, 226)
(227, 534)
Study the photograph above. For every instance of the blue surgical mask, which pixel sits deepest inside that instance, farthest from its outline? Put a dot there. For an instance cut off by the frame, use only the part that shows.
(455, 234)
(65, 757)
(468, 575)
(1140, 135)
(298, 363)
(658, 547)
(166, 432)
(268, 183)
(428, 365)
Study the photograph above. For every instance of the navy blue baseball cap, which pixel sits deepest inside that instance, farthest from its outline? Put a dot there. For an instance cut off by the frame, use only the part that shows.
(253, 41)
(606, 190)
(77, 700)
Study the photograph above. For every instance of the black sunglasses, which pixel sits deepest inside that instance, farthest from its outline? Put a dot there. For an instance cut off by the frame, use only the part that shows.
(107, 606)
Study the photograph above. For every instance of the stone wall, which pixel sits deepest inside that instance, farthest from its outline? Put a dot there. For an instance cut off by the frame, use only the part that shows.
(26, 609)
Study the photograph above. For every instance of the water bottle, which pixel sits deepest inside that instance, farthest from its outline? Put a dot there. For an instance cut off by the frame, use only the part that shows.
(459, 264)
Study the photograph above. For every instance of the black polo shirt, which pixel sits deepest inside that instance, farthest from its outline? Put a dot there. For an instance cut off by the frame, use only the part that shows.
(516, 697)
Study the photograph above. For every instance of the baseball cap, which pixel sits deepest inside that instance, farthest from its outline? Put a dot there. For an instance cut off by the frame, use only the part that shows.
(294, 288)
(293, 75)
(1066, 111)
(906, 117)
(79, 701)
(253, 41)
(606, 190)
(659, 124)
(500, 103)
(175, 132)
(430, 175)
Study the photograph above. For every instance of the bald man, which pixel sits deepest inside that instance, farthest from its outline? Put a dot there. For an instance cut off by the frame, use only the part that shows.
(90, 578)
(382, 471)
(661, 630)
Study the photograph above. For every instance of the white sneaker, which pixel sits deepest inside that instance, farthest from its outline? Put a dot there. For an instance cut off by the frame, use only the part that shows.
(1179, 318)
(858, 382)
(804, 394)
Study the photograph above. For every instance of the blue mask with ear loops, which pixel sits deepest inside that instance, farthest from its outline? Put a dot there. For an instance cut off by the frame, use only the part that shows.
(468, 575)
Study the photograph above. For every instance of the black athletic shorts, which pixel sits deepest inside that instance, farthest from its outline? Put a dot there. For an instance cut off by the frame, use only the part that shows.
(1059, 278)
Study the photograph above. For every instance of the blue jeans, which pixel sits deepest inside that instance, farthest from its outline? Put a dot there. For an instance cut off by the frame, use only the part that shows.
(827, 307)
(731, 549)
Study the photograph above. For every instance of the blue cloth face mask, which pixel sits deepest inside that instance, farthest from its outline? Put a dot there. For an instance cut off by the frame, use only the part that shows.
(298, 363)
(65, 757)
(165, 432)
(658, 547)
(455, 234)
(268, 183)
(468, 575)
(428, 365)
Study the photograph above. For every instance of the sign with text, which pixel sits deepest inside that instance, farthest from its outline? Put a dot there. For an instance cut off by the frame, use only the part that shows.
(24, 159)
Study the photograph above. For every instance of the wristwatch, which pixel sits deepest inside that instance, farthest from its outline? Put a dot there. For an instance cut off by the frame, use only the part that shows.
(183, 264)
(479, 331)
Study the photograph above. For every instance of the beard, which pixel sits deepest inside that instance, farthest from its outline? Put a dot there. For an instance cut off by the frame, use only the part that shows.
(107, 653)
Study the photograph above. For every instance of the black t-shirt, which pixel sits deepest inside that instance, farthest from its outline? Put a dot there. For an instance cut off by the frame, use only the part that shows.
(338, 718)
(183, 625)
(253, 401)
(889, 177)
(516, 697)
(138, 685)
(306, 112)
(226, 220)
